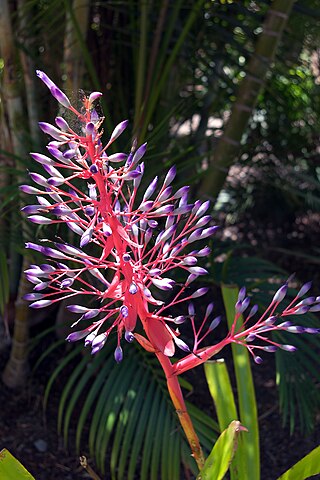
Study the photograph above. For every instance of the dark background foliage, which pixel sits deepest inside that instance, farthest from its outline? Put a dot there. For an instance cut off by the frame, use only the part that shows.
(176, 69)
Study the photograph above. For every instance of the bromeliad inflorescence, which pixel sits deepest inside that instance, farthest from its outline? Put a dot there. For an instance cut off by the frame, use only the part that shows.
(128, 244)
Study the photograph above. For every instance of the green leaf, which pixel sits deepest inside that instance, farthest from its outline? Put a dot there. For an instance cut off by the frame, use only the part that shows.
(219, 460)
(249, 452)
(307, 467)
(11, 468)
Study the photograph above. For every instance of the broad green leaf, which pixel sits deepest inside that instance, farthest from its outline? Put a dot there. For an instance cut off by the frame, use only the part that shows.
(220, 458)
(221, 391)
(249, 452)
(307, 467)
(11, 468)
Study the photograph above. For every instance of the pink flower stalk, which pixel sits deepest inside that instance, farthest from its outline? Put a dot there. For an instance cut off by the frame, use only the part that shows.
(130, 242)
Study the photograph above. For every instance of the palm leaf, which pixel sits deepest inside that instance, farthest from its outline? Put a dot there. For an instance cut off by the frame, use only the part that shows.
(125, 412)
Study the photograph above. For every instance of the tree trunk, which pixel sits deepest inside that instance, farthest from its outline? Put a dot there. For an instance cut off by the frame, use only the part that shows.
(14, 373)
(258, 66)
(73, 55)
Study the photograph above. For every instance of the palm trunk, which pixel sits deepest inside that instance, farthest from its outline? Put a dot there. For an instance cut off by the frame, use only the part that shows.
(73, 55)
(14, 373)
(258, 66)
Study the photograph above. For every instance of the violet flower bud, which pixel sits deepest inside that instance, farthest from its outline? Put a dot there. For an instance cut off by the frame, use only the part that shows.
(280, 294)
(170, 176)
(200, 292)
(118, 354)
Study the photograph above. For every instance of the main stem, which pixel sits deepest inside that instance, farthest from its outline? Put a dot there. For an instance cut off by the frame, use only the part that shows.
(181, 409)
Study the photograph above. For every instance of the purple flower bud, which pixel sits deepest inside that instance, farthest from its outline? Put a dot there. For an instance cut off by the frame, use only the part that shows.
(117, 157)
(52, 131)
(77, 309)
(170, 176)
(117, 131)
(179, 320)
(207, 232)
(56, 181)
(164, 210)
(90, 128)
(40, 220)
(138, 154)
(203, 221)
(251, 337)
(242, 294)
(49, 83)
(270, 348)
(304, 289)
(163, 283)
(89, 338)
(198, 270)
(270, 320)
(190, 279)
(62, 124)
(200, 292)
(183, 209)
(204, 252)
(124, 311)
(167, 234)
(34, 246)
(60, 96)
(295, 329)
(181, 192)
(98, 343)
(126, 257)
(94, 96)
(191, 309)
(29, 190)
(257, 359)
(165, 194)
(300, 310)
(129, 336)
(68, 154)
(189, 261)
(243, 305)
(150, 190)
(181, 344)
(209, 309)
(75, 336)
(133, 288)
(280, 294)
(118, 354)
(153, 223)
(91, 314)
(40, 286)
(288, 348)
(201, 210)
(41, 304)
(146, 206)
(86, 237)
(306, 301)
(253, 311)
(29, 209)
(67, 282)
(155, 272)
(94, 169)
(196, 235)
(33, 296)
(89, 211)
(215, 322)
(311, 330)
(43, 159)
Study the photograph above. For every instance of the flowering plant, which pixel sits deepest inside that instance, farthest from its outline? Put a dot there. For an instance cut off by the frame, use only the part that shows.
(130, 242)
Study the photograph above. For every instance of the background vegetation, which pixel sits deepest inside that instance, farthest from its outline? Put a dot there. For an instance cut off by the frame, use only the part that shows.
(226, 90)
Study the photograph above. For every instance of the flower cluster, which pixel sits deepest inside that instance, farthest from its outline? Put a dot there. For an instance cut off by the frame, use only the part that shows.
(128, 243)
